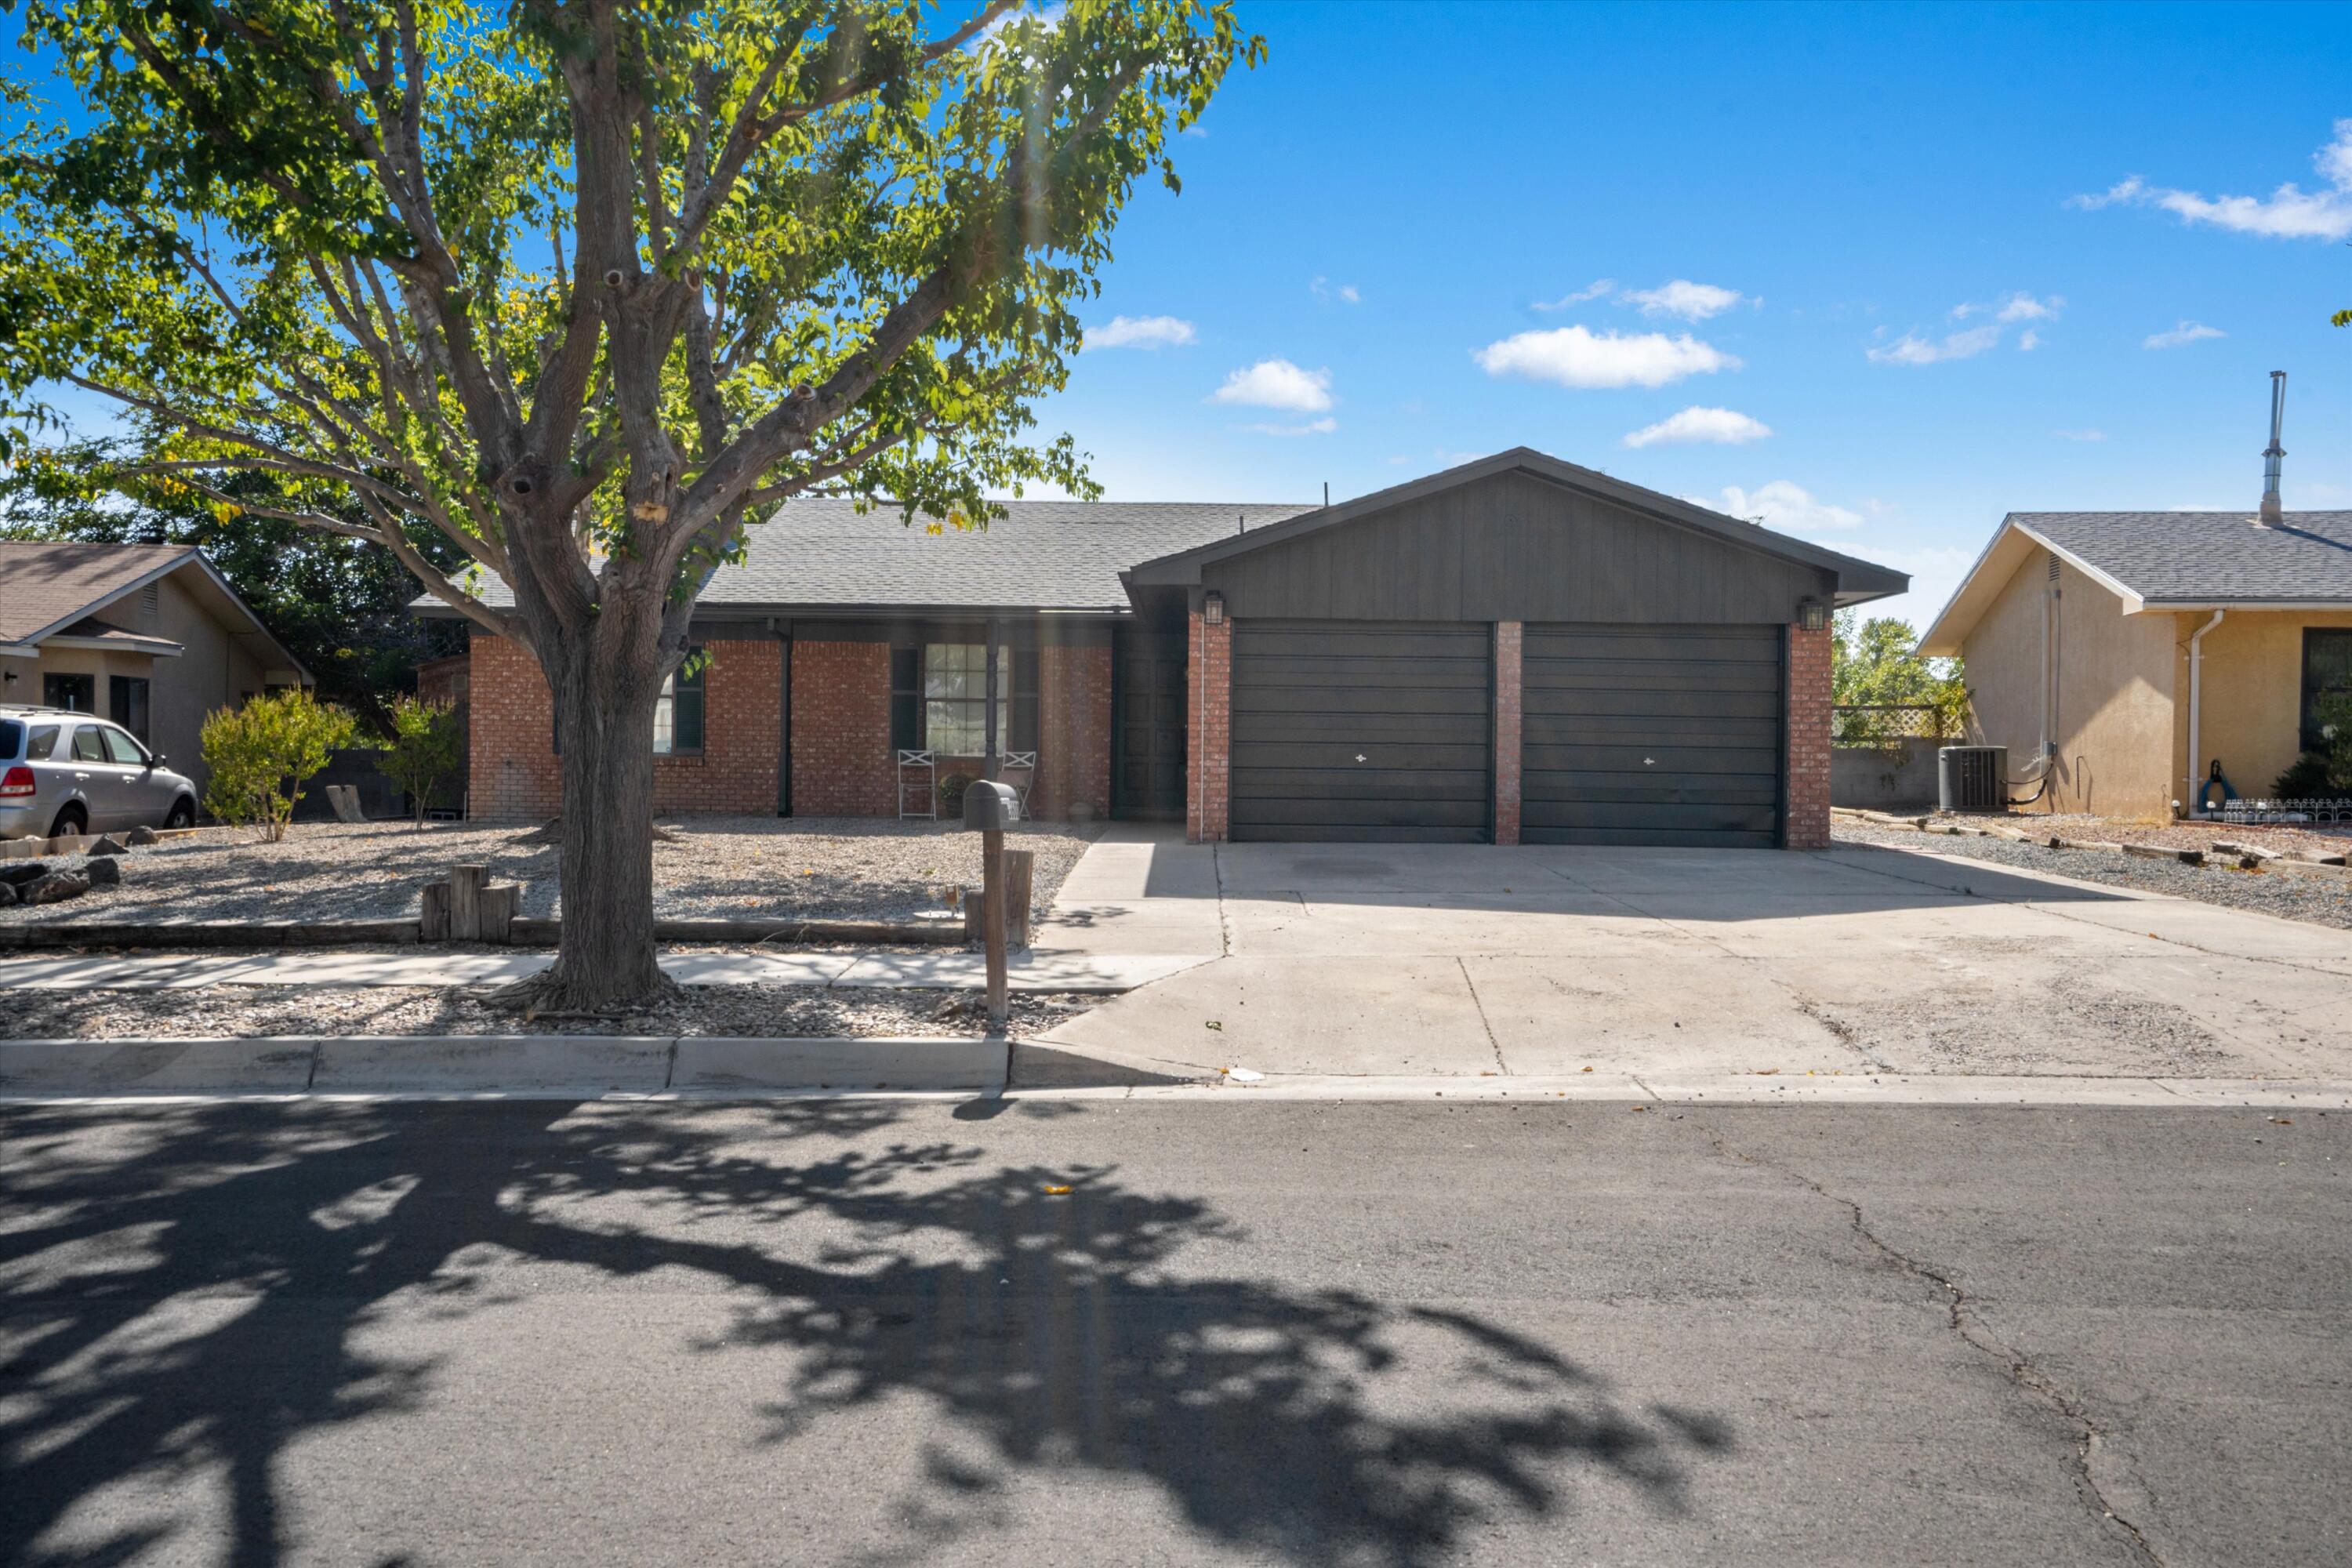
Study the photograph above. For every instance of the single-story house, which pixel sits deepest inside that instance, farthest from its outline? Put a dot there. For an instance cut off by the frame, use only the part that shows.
(149, 636)
(2143, 647)
(1515, 650)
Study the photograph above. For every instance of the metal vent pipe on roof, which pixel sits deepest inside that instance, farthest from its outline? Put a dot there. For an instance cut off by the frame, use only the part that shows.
(2271, 514)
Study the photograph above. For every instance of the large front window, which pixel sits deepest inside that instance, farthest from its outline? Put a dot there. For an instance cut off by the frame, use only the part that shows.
(955, 698)
(677, 711)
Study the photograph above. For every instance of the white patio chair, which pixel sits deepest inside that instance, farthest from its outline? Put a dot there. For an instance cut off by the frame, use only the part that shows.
(1019, 769)
(916, 767)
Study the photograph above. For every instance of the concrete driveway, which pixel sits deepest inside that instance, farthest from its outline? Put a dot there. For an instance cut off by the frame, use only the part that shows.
(1477, 961)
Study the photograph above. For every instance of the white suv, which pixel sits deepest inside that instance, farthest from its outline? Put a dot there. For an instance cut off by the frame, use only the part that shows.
(62, 772)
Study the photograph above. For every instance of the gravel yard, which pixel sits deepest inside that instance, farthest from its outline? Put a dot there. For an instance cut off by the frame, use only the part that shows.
(2323, 900)
(2328, 838)
(725, 1011)
(730, 867)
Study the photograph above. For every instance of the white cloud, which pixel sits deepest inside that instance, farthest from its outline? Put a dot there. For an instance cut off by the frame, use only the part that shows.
(1599, 286)
(1574, 356)
(2028, 339)
(1691, 301)
(2288, 213)
(2079, 434)
(1779, 505)
(1323, 427)
(1913, 349)
(1278, 383)
(2022, 306)
(1141, 332)
(1345, 292)
(2186, 332)
(1695, 424)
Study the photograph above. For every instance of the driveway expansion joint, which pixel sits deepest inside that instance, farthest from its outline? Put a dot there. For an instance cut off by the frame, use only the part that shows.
(2092, 1453)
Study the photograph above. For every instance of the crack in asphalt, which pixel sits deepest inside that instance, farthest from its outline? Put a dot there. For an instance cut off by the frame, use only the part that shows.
(1484, 1022)
(2093, 1452)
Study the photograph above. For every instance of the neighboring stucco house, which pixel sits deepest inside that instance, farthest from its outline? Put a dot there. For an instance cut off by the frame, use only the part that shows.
(149, 636)
(1516, 650)
(2147, 645)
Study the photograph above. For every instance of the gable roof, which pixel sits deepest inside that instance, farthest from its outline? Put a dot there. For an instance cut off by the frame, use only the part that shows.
(1049, 555)
(1857, 580)
(2166, 561)
(48, 586)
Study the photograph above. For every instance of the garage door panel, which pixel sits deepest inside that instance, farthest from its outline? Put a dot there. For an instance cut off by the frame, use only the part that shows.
(1361, 731)
(1302, 833)
(1652, 735)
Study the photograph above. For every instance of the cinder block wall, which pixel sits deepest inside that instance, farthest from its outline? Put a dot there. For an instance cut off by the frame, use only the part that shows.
(1209, 768)
(516, 777)
(1807, 826)
(1072, 731)
(843, 764)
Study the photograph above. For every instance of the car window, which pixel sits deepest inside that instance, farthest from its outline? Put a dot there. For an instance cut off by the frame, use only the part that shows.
(43, 743)
(124, 749)
(87, 746)
(12, 736)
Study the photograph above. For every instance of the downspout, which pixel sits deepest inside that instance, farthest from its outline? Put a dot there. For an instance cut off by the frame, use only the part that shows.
(2196, 697)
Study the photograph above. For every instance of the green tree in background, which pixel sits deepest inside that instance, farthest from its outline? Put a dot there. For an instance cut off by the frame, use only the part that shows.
(263, 754)
(338, 604)
(586, 287)
(428, 745)
(1876, 662)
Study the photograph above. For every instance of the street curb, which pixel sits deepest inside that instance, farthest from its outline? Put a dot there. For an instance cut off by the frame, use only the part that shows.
(526, 1066)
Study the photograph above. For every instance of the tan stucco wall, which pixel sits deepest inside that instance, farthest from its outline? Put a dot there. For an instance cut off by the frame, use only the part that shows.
(2116, 685)
(2252, 699)
(213, 672)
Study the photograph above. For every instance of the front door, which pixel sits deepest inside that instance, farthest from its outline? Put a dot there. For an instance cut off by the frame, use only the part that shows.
(1146, 767)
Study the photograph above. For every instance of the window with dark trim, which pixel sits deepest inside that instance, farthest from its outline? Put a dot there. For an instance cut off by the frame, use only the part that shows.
(678, 710)
(2327, 669)
(939, 698)
(77, 692)
(907, 698)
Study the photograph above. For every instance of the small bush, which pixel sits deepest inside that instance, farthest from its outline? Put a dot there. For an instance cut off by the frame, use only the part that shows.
(263, 754)
(2306, 779)
(428, 743)
(951, 790)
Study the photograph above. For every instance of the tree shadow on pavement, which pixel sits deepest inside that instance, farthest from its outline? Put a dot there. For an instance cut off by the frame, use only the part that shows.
(183, 1296)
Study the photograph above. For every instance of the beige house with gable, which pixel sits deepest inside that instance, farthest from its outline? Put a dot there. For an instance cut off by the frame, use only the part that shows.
(2145, 647)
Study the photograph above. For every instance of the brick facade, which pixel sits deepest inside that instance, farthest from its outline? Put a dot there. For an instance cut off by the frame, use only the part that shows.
(1072, 731)
(515, 774)
(1209, 767)
(1807, 826)
(1508, 694)
(842, 762)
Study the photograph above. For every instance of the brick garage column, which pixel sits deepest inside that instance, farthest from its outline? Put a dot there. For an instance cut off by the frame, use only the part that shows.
(1209, 768)
(1073, 731)
(842, 762)
(512, 772)
(1506, 731)
(1807, 826)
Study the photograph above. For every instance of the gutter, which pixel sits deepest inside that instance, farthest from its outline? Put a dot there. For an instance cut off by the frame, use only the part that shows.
(2196, 702)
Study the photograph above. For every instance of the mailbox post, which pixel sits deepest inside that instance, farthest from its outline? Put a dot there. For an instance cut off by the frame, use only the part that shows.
(989, 809)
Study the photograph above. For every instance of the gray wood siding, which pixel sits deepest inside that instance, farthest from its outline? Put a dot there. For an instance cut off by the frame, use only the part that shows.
(1514, 548)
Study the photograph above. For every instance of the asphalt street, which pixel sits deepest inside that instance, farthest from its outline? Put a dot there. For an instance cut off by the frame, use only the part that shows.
(1095, 1331)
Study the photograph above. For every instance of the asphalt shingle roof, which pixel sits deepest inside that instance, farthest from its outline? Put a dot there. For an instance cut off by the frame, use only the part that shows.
(1042, 555)
(42, 584)
(2205, 557)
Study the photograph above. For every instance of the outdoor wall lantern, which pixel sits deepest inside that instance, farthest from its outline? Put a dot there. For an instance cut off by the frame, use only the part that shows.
(1212, 608)
(1813, 615)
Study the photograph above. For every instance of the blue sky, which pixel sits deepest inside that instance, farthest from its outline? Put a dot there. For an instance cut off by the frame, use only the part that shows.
(1401, 206)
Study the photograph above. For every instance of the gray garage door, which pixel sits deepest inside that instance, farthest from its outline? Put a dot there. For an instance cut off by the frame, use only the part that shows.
(1364, 731)
(1651, 735)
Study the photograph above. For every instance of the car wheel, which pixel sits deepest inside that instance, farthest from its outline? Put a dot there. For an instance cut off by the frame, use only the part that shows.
(71, 820)
(184, 814)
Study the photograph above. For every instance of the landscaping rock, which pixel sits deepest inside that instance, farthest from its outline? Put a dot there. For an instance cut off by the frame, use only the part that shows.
(55, 888)
(2166, 852)
(103, 873)
(108, 844)
(20, 876)
(143, 836)
(7, 894)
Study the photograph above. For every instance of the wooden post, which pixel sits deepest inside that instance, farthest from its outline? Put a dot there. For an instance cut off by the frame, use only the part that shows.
(991, 861)
(1019, 872)
(465, 904)
(433, 922)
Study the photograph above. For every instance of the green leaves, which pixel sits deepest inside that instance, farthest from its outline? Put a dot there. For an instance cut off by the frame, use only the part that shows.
(262, 753)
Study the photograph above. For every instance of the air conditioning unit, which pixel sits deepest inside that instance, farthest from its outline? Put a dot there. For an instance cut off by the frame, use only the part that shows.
(1972, 778)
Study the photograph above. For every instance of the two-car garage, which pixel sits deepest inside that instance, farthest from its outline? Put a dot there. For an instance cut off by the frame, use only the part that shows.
(1518, 650)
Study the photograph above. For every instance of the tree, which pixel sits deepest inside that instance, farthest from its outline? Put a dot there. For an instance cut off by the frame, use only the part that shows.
(587, 287)
(262, 754)
(428, 744)
(339, 604)
(1876, 662)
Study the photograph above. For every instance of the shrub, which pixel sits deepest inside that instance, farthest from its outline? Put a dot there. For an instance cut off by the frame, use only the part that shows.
(951, 790)
(2304, 779)
(2335, 715)
(428, 744)
(263, 754)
